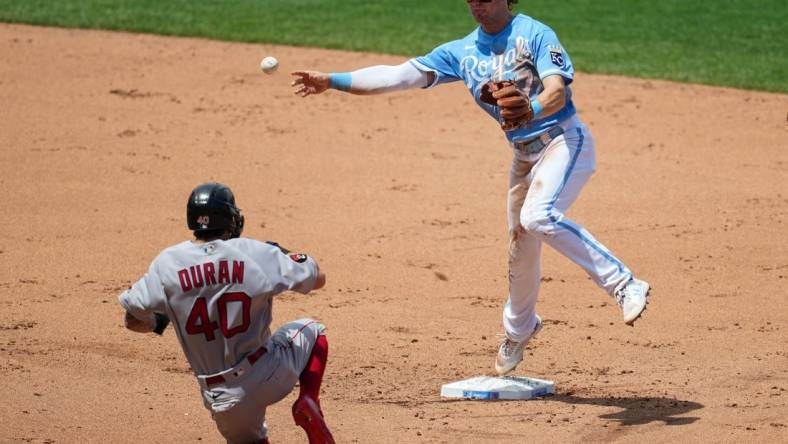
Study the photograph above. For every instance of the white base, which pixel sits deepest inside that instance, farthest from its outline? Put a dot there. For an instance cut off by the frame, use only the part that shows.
(504, 387)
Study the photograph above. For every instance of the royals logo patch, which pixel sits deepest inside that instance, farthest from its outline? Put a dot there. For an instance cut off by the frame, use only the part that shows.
(556, 55)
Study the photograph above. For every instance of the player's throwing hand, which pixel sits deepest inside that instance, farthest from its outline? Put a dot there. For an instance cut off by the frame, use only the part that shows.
(310, 82)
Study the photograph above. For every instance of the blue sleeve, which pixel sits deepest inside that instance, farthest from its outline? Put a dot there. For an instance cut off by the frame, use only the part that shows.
(442, 62)
(550, 56)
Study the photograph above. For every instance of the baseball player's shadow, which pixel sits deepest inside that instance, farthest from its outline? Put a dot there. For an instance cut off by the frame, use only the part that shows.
(638, 410)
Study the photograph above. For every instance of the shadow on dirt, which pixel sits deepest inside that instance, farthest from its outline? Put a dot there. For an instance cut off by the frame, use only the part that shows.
(637, 410)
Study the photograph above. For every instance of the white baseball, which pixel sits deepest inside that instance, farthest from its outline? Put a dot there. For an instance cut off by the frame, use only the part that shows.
(269, 65)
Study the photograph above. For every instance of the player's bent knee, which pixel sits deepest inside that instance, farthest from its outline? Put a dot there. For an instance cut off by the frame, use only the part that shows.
(538, 223)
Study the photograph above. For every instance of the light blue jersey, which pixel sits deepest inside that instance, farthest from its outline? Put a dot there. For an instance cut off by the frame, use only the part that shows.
(526, 51)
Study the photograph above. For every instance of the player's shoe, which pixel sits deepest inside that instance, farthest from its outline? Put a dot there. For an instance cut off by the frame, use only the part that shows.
(510, 353)
(307, 414)
(632, 298)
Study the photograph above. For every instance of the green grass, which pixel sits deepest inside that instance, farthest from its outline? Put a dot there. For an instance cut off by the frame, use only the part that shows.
(739, 43)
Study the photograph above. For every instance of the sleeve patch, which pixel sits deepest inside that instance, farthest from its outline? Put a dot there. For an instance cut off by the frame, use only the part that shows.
(556, 55)
(299, 258)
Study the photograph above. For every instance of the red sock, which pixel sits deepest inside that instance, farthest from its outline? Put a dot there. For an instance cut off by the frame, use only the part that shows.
(312, 375)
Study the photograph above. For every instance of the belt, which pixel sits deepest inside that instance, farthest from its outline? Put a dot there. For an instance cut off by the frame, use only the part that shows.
(537, 144)
(251, 357)
(256, 355)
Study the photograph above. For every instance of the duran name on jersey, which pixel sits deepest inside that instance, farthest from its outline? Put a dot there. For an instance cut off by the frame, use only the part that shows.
(210, 273)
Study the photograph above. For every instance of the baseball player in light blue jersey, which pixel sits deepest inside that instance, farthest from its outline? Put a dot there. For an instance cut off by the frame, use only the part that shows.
(520, 74)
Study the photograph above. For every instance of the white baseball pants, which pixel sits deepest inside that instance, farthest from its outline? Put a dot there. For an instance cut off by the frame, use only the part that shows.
(540, 191)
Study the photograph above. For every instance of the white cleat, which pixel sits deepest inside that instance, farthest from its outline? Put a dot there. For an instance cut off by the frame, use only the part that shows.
(633, 298)
(510, 353)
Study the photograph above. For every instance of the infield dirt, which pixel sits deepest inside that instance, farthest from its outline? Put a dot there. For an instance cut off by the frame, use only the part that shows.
(401, 198)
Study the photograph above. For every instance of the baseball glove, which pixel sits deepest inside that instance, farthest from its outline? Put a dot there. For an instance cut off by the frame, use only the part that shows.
(515, 105)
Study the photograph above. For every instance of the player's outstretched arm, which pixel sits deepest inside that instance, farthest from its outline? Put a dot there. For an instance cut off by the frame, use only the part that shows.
(372, 80)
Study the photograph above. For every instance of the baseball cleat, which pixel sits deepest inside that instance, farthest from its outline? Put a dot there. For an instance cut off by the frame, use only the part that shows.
(308, 416)
(633, 298)
(510, 353)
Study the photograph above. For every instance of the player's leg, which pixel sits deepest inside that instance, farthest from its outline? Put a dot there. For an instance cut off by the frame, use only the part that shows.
(519, 314)
(312, 375)
(238, 418)
(305, 349)
(306, 353)
(556, 183)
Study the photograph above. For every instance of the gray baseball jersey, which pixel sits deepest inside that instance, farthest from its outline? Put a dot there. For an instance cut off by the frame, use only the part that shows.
(218, 296)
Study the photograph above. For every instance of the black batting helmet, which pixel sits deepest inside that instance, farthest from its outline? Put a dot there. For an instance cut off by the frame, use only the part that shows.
(212, 207)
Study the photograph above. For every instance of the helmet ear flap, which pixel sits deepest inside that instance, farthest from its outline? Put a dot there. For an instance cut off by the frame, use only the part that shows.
(238, 224)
